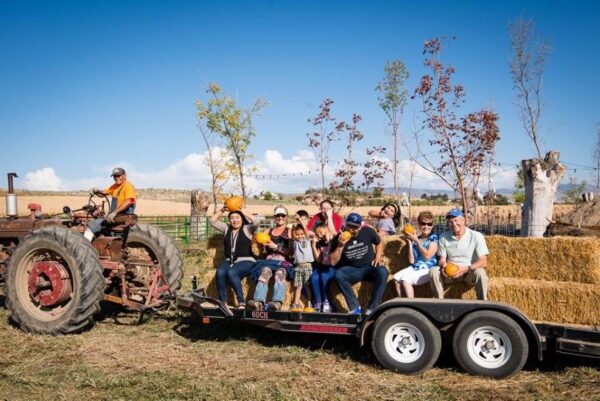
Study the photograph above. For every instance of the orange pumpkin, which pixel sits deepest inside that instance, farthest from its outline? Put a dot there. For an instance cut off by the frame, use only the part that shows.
(234, 203)
(408, 229)
(345, 235)
(451, 269)
(262, 238)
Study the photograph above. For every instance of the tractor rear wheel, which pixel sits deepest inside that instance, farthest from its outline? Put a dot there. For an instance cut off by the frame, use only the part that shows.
(155, 245)
(54, 282)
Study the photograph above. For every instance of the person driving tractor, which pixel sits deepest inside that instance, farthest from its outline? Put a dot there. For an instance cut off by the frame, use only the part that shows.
(123, 199)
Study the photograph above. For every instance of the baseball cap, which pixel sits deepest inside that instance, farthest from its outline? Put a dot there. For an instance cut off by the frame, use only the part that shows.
(354, 219)
(280, 210)
(117, 171)
(454, 213)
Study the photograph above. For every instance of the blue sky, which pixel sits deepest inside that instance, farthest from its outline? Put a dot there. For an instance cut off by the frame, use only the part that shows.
(88, 85)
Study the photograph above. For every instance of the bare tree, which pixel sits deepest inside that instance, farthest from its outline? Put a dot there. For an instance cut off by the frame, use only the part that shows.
(321, 139)
(462, 143)
(392, 99)
(529, 54)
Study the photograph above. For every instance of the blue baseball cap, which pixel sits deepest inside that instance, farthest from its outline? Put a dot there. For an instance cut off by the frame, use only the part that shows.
(454, 213)
(354, 219)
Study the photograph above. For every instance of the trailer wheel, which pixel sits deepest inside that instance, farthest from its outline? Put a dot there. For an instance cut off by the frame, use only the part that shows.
(406, 341)
(54, 282)
(152, 243)
(489, 343)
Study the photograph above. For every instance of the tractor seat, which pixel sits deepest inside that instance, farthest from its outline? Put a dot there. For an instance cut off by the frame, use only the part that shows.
(123, 221)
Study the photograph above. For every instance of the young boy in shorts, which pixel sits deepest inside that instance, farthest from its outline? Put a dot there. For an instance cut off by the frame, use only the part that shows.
(303, 259)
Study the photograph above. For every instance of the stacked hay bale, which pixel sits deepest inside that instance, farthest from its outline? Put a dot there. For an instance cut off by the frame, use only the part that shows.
(549, 279)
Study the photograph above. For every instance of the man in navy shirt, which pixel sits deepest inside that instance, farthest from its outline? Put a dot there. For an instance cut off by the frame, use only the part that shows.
(359, 259)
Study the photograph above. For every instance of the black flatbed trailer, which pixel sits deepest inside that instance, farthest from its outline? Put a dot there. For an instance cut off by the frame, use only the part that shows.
(487, 338)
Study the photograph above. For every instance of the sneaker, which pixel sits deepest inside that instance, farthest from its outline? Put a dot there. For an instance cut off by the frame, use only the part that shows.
(255, 305)
(355, 311)
(276, 305)
(241, 305)
(368, 312)
(326, 307)
(318, 307)
(296, 308)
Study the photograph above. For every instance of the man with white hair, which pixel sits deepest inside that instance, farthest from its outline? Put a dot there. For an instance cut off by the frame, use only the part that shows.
(464, 248)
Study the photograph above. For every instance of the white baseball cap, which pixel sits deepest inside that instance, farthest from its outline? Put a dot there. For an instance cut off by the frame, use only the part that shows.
(280, 210)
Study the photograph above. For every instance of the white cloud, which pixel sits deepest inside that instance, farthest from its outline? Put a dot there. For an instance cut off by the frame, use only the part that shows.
(274, 173)
(44, 179)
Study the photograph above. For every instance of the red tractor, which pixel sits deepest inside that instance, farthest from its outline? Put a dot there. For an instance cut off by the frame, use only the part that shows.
(54, 279)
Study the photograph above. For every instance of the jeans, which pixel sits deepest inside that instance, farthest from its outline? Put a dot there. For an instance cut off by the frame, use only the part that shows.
(262, 285)
(319, 282)
(234, 274)
(96, 225)
(348, 275)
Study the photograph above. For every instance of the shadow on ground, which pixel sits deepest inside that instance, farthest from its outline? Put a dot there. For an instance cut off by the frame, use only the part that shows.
(189, 327)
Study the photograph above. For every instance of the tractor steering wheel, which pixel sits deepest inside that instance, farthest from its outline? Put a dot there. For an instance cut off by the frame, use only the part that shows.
(92, 206)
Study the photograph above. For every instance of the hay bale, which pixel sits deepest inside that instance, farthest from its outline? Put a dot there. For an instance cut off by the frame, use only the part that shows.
(550, 301)
(549, 259)
(537, 276)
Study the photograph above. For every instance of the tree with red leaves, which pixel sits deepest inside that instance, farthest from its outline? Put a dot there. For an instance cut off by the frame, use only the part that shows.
(462, 143)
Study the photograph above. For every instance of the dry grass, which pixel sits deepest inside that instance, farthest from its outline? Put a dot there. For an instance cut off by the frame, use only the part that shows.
(174, 358)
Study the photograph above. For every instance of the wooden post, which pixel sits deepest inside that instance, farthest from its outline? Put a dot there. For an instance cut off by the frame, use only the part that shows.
(541, 178)
(199, 205)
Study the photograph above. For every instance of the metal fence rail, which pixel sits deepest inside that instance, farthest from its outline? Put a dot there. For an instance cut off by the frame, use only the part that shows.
(186, 230)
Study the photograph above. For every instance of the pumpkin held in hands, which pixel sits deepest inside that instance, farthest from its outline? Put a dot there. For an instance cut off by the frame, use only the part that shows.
(262, 238)
(451, 269)
(408, 229)
(234, 203)
(345, 235)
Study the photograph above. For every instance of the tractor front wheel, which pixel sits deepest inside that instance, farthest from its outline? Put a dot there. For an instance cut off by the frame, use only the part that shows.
(54, 282)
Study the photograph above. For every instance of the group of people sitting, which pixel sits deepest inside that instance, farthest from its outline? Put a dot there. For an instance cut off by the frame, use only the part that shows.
(314, 251)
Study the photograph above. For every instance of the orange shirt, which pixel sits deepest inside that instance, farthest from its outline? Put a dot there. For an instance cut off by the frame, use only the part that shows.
(122, 192)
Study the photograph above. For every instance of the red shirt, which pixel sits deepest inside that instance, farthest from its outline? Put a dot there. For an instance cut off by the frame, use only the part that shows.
(337, 221)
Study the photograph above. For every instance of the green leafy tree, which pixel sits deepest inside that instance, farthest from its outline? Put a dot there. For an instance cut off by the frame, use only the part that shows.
(233, 125)
(392, 97)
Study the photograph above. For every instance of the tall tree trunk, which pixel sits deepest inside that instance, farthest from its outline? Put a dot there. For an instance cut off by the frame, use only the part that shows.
(199, 205)
(541, 179)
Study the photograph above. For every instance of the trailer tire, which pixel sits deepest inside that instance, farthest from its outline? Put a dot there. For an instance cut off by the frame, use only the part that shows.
(161, 249)
(405, 341)
(489, 343)
(54, 282)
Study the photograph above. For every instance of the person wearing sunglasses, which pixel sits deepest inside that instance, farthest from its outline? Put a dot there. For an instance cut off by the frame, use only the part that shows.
(421, 256)
(464, 248)
(123, 199)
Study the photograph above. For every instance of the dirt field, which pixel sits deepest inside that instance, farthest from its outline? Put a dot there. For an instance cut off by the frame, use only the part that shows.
(146, 207)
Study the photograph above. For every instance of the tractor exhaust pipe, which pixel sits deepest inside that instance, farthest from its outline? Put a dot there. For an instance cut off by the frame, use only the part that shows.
(11, 198)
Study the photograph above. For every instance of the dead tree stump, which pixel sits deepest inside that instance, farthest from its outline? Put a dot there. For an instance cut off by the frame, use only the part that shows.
(541, 178)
